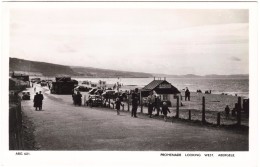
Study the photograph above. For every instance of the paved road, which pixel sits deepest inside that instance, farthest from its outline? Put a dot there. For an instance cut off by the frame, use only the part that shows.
(62, 126)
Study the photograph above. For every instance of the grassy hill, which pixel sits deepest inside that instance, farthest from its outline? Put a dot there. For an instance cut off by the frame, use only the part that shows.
(48, 69)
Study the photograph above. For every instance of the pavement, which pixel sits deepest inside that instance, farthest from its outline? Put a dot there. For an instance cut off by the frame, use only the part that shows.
(63, 126)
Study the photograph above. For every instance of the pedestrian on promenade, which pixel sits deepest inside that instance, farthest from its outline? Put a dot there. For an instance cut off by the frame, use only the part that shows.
(165, 110)
(74, 98)
(150, 101)
(40, 100)
(78, 98)
(157, 105)
(134, 102)
(118, 104)
(36, 101)
(34, 89)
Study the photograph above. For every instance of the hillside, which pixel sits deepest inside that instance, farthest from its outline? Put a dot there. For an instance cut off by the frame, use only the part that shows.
(96, 72)
(48, 69)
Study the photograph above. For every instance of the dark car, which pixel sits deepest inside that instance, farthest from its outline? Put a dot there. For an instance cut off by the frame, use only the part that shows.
(43, 83)
(92, 91)
(26, 95)
(98, 92)
(82, 89)
(108, 93)
(94, 101)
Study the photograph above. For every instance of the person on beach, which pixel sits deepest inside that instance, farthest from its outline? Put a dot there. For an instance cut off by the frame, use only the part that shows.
(187, 94)
(40, 100)
(150, 101)
(118, 104)
(36, 101)
(227, 110)
(134, 102)
(165, 111)
(34, 89)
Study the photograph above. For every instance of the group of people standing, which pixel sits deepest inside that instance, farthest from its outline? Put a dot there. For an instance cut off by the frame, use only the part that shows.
(77, 98)
(154, 102)
(38, 98)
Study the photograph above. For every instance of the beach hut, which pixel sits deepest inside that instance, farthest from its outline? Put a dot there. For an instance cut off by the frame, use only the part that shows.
(162, 88)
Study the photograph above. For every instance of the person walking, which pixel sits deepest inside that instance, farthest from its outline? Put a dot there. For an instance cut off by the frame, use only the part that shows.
(165, 110)
(40, 100)
(36, 101)
(118, 104)
(134, 102)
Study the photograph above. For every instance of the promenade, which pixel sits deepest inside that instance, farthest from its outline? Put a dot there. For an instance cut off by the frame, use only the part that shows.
(63, 126)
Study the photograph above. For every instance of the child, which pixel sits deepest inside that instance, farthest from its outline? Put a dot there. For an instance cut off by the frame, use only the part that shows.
(165, 110)
(118, 104)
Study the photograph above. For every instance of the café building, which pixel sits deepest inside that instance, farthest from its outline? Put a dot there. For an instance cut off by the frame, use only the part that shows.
(165, 90)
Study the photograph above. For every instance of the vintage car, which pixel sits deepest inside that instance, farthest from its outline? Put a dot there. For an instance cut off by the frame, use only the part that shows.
(43, 83)
(82, 88)
(92, 91)
(94, 101)
(26, 95)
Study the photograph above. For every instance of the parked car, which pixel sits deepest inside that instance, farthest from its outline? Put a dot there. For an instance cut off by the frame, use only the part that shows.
(98, 92)
(26, 95)
(94, 101)
(82, 89)
(86, 82)
(43, 83)
(92, 91)
(108, 93)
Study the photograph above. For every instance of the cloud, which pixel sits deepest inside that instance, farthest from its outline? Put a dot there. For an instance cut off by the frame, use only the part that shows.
(233, 58)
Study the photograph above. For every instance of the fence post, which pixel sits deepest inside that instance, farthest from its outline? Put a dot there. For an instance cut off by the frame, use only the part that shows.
(203, 109)
(109, 102)
(218, 119)
(239, 111)
(177, 108)
(141, 101)
(128, 101)
(189, 115)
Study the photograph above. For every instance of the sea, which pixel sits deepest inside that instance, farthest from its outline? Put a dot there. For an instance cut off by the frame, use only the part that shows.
(236, 86)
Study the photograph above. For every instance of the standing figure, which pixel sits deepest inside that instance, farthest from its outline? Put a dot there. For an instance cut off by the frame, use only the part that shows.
(34, 89)
(40, 100)
(227, 110)
(36, 101)
(187, 94)
(165, 110)
(157, 105)
(150, 101)
(118, 104)
(134, 102)
(74, 98)
(78, 98)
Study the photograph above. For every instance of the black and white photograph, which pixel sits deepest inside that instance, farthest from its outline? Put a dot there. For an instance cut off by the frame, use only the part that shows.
(174, 80)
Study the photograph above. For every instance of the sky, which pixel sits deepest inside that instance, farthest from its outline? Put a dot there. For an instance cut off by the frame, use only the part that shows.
(167, 41)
